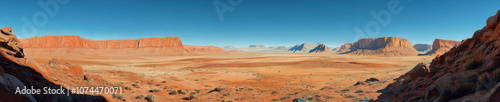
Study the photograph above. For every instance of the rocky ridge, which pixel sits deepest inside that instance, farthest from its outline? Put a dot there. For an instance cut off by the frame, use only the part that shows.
(468, 72)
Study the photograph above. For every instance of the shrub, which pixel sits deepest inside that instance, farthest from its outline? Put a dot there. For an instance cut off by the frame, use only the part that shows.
(181, 92)
(456, 88)
(489, 80)
(449, 59)
(140, 96)
(350, 96)
(150, 98)
(128, 87)
(155, 90)
(226, 94)
(163, 81)
(250, 88)
(407, 79)
(197, 90)
(276, 99)
(173, 92)
(347, 89)
(286, 97)
(157, 84)
(326, 87)
(359, 91)
(118, 96)
(274, 92)
(328, 97)
(471, 64)
(136, 85)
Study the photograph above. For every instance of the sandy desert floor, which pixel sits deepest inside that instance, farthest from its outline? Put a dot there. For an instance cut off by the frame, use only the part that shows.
(244, 76)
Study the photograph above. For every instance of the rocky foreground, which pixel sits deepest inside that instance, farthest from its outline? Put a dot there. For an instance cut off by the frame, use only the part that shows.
(16, 71)
(469, 72)
(71, 45)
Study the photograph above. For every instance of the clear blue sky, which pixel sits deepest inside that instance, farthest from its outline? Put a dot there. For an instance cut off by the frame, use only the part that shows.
(265, 22)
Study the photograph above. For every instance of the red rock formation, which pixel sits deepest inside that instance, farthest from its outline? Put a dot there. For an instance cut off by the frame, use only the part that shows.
(16, 71)
(385, 46)
(71, 45)
(73, 41)
(440, 46)
(345, 48)
(320, 48)
(469, 72)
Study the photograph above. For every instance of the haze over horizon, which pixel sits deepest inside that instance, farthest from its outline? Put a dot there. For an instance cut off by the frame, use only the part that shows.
(251, 22)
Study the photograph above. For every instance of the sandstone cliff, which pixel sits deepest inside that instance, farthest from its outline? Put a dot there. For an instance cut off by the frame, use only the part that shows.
(440, 46)
(16, 71)
(71, 45)
(469, 72)
(345, 48)
(385, 46)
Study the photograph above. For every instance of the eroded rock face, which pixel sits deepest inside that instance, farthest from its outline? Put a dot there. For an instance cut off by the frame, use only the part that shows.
(10, 43)
(467, 72)
(440, 46)
(422, 47)
(71, 45)
(320, 48)
(73, 41)
(385, 46)
(345, 48)
(18, 71)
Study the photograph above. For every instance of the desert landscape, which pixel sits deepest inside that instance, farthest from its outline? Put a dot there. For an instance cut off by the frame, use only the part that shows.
(164, 69)
(316, 74)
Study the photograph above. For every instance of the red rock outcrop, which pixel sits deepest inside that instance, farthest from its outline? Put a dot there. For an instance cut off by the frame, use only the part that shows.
(16, 71)
(320, 48)
(345, 48)
(440, 46)
(385, 46)
(469, 72)
(73, 41)
(71, 45)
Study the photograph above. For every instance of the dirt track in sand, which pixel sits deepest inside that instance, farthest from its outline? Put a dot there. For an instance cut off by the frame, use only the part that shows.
(246, 76)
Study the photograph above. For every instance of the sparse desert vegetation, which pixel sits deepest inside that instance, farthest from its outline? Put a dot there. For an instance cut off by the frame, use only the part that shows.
(246, 76)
